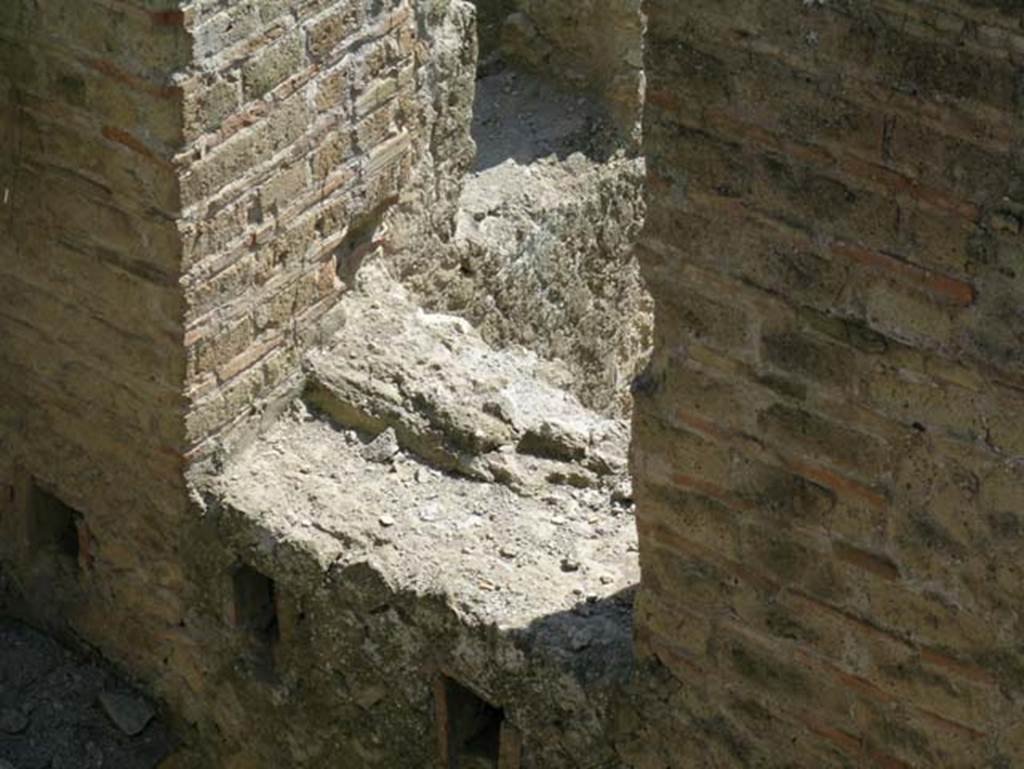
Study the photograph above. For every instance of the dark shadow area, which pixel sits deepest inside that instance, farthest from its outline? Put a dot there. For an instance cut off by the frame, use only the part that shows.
(523, 111)
(53, 526)
(255, 609)
(255, 614)
(490, 18)
(593, 643)
(362, 238)
(60, 709)
(594, 639)
(472, 728)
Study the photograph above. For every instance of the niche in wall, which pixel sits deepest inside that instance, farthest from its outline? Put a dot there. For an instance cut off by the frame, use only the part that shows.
(254, 612)
(52, 527)
(473, 733)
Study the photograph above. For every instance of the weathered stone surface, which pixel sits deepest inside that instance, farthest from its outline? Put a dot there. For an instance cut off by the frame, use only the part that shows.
(448, 396)
(195, 200)
(543, 250)
(818, 435)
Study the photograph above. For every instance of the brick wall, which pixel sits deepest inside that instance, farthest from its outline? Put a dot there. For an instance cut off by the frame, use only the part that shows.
(88, 198)
(91, 314)
(301, 123)
(186, 191)
(829, 439)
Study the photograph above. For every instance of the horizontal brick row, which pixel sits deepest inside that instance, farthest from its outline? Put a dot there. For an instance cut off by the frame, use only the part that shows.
(827, 442)
(304, 114)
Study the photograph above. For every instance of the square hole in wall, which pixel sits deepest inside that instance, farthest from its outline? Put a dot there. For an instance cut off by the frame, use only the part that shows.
(473, 733)
(52, 526)
(255, 606)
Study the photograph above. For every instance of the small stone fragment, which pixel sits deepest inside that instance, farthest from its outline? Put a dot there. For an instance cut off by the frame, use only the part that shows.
(570, 564)
(498, 409)
(300, 411)
(505, 469)
(383, 448)
(580, 639)
(368, 697)
(508, 551)
(386, 521)
(623, 492)
(553, 439)
(129, 713)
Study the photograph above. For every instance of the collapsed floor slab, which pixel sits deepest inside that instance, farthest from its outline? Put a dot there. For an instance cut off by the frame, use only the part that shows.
(471, 521)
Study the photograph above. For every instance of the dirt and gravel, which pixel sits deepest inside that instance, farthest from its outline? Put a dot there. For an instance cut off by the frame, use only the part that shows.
(64, 710)
(503, 557)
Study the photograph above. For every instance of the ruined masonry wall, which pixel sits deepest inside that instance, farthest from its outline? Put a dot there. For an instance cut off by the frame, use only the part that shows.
(828, 443)
(186, 190)
(303, 124)
(91, 314)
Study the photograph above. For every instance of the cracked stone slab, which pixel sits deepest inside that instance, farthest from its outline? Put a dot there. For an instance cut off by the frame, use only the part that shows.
(449, 397)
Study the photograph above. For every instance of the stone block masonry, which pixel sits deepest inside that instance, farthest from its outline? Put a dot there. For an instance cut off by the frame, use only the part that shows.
(299, 134)
(828, 443)
(186, 189)
(828, 446)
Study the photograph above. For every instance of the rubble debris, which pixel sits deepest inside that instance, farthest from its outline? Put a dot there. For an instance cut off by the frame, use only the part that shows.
(130, 713)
